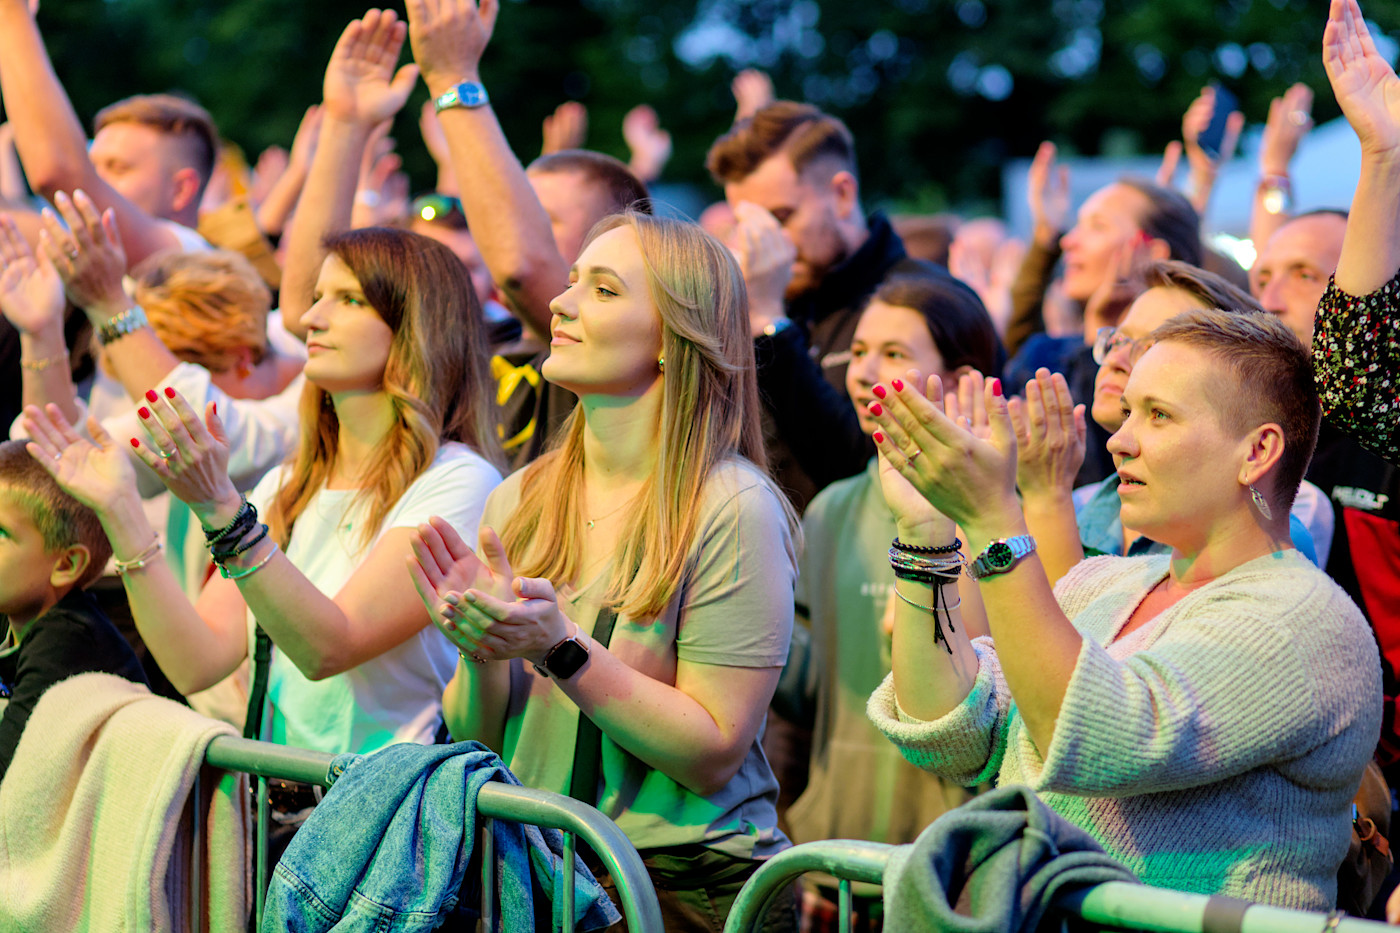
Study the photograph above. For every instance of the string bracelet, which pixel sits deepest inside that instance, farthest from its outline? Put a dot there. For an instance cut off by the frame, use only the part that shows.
(929, 609)
(240, 573)
(235, 548)
(124, 567)
(243, 519)
(899, 545)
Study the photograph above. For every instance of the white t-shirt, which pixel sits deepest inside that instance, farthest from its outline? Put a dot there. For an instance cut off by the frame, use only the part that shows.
(396, 697)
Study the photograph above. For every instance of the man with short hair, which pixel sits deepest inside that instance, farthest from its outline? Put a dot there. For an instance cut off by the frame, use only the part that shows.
(150, 159)
(1289, 278)
(810, 256)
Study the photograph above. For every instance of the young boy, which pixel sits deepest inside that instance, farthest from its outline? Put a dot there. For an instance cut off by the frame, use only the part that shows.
(51, 548)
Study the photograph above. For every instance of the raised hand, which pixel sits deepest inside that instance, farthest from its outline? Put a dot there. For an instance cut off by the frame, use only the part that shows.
(449, 37)
(1290, 119)
(765, 257)
(753, 90)
(1205, 166)
(31, 293)
(95, 472)
(1362, 80)
(361, 85)
(88, 255)
(565, 128)
(1047, 190)
(1050, 436)
(648, 143)
(189, 455)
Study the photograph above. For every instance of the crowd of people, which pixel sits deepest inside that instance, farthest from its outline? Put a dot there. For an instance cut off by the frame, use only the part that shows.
(794, 523)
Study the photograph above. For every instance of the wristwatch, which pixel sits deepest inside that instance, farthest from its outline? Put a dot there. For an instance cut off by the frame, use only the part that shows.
(128, 322)
(468, 94)
(565, 658)
(1000, 556)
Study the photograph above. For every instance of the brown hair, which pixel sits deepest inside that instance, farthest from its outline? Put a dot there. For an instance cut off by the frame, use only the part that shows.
(1273, 376)
(62, 520)
(1211, 290)
(1169, 218)
(437, 377)
(173, 116)
(624, 190)
(709, 415)
(958, 322)
(205, 307)
(804, 132)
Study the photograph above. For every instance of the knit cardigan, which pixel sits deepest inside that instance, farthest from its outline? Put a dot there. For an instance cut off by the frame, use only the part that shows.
(1220, 758)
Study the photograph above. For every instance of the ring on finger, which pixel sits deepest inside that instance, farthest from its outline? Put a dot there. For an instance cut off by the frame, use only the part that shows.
(912, 457)
(163, 455)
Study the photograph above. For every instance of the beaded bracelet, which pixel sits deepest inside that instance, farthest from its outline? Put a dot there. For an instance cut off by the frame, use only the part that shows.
(953, 548)
(124, 567)
(38, 366)
(240, 573)
(221, 556)
(247, 514)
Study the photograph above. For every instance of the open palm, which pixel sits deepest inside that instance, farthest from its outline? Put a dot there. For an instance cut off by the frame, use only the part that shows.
(361, 82)
(31, 293)
(1362, 80)
(97, 474)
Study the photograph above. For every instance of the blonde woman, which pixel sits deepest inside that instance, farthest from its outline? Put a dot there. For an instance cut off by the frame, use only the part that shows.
(652, 502)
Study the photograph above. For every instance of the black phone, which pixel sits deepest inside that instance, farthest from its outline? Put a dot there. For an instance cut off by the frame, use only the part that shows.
(1211, 137)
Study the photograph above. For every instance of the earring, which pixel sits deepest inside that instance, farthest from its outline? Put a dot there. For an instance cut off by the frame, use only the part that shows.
(1261, 503)
(661, 363)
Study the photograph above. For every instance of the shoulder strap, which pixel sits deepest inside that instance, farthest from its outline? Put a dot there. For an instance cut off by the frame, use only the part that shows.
(257, 692)
(588, 751)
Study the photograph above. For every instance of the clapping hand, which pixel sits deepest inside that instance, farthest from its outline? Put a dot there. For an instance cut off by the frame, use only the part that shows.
(189, 455)
(95, 472)
(1050, 436)
(477, 602)
(31, 293)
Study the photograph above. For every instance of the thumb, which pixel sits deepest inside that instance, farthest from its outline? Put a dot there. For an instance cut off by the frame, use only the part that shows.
(493, 552)
(215, 424)
(534, 588)
(404, 80)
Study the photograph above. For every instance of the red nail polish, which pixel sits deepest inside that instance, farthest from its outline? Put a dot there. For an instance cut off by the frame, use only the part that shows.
(879, 438)
(216, 408)
(879, 391)
(169, 392)
(876, 408)
(996, 387)
(135, 442)
(144, 412)
(151, 395)
(898, 385)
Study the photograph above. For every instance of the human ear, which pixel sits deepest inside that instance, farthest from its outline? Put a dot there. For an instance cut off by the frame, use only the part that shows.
(185, 183)
(69, 566)
(845, 192)
(1159, 250)
(1265, 450)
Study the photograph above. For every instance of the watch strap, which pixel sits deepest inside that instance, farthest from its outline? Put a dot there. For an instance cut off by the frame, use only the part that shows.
(588, 739)
(128, 322)
(984, 565)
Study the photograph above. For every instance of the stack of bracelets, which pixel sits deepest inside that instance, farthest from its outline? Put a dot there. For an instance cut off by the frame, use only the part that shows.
(933, 566)
(238, 536)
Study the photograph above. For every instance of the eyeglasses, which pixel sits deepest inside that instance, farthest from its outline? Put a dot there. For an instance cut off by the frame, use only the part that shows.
(439, 208)
(1109, 339)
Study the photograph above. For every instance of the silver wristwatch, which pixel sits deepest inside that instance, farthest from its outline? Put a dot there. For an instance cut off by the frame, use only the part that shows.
(468, 94)
(128, 322)
(1000, 556)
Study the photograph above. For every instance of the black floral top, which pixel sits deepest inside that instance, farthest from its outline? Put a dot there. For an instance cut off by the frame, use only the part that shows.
(1356, 357)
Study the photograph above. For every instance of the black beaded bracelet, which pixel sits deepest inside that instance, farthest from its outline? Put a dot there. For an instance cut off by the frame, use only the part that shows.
(221, 556)
(242, 520)
(899, 545)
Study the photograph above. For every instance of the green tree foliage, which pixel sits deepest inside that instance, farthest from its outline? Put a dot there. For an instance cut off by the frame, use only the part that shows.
(938, 92)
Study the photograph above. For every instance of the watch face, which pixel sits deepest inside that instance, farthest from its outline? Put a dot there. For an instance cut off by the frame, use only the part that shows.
(999, 555)
(566, 658)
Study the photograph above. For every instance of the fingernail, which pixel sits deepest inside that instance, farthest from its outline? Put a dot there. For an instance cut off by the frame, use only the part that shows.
(135, 442)
(469, 597)
(450, 599)
(898, 384)
(144, 412)
(996, 387)
(879, 391)
(879, 438)
(876, 408)
(216, 408)
(151, 395)
(169, 392)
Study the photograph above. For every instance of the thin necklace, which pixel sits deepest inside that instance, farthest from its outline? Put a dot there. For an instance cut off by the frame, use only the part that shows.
(593, 521)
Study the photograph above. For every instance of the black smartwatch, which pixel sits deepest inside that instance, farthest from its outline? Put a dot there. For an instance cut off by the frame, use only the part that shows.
(564, 659)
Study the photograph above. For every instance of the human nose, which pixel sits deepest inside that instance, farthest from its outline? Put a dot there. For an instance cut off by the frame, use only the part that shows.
(1070, 239)
(1123, 444)
(1271, 296)
(314, 317)
(562, 305)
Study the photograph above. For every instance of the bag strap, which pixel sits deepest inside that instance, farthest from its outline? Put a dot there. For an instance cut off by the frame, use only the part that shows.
(257, 693)
(588, 741)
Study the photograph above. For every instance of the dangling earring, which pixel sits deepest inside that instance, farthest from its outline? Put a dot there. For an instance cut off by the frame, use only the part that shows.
(1261, 503)
(661, 363)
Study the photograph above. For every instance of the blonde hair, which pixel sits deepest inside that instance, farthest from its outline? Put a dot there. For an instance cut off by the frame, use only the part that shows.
(437, 377)
(205, 307)
(710, 414)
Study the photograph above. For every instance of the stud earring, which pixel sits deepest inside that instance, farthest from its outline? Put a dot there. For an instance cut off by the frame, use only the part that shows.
(661, 363)
(1261, 503)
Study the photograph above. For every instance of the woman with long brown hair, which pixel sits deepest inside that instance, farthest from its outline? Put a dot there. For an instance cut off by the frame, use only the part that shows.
(641, 586)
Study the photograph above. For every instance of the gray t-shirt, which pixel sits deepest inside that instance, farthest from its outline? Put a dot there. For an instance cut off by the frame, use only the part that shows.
(732, 609)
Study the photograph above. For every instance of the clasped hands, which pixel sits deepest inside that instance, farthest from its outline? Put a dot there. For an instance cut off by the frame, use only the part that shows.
(486, 611)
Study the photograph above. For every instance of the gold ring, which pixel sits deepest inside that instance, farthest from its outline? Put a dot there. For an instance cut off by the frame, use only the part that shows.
(164, 455)
(1298, 117)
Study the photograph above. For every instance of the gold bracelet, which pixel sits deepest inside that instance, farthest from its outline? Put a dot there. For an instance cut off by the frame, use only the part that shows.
(38, 366)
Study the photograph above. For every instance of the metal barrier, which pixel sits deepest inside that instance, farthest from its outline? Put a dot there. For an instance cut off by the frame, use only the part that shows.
(264, 760)
(1113, 906)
